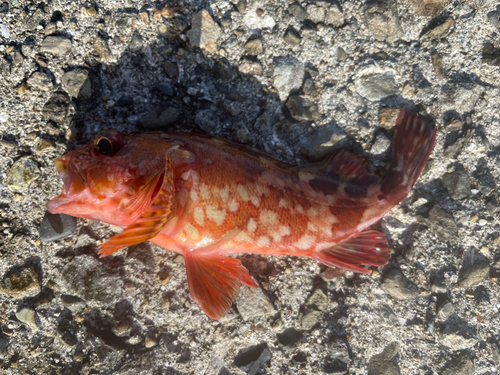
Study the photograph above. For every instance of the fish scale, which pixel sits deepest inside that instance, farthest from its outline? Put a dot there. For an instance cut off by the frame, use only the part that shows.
(206, 198)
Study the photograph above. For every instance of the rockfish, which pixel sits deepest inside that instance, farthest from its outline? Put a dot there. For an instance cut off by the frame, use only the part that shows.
(205, 198)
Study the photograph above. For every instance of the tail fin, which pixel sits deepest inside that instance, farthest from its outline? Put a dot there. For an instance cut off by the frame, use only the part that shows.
(412, 144)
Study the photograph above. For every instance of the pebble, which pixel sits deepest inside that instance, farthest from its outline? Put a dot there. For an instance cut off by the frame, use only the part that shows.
(377, 86)
(102, 49)
(4, 30)
(298, 12)
(241, 6)
(21, 281)
(439, 31)
(491, 205)
(290, 337)
(252, 303)
(91, 280)
(165, 88)
(491, 55)
(78, 84)
(22, 174)
(398, 286)
(316, 13)
(257, 18)
(27, 316)
(161, 118)
(418, 77)
(387, 117)
(204, 32)
(382, 20)
(334, 15)
(230, 42)
(56, 226)
(171, 69)
(314, 308)
(302, 108)
(254, 47)
(475, 269)
(445, 310)
(56, 45)
(428, 8)
(250, 66)
(340, 54)
(457, 183)
(40, 81)
(437, 64)
(322, 140)
(4, 117)
(459, 365)
(288, 75)
(493, 17)
(292, 37)
(441, 223)
(56, 108)
(253, 358)
(381, 145)
(454, 149)
(384, 363)
(136, 42)
(460, 97)
(457, 334)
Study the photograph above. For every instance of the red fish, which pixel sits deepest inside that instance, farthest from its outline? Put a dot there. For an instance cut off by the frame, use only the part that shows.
(206, 197)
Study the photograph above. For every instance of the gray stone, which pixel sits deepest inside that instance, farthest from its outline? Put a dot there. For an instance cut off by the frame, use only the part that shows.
(381, 144)
(78, 84)
(454, 149)
(101, 48)
(241, 6)
(34, 21)
(136, 42)
(491, 205)
(298, 12)
(310, 319)
(56, 226)
(288, 75)
(334, 15)
(316, 13)
(252, 303)
(439, 31)
(250, 66)
(171, 69)
(207, 120)
(460, 365)
(165, 88)
(21, 281)
(322, 140)
(384, 363)
(204, 32)
(56, 108)
(460, 97)
(160, 118)
(446, 310)
(377, 86)
(386, 315)
(40, 81)
(292, 37)
(381, 17)
(22, 174)
(230, 42)
(318, 300)
(457, 334)
(457, 183)
(253, 358)
(90, 280)
(429, 8)
(254, 47)
(441, 223)
(418, 77)
(309, 88)
(340, 54)
(290, 337)
(302, 108)
(475, 269)
(494, 17)
(56, 45)
(398, 286)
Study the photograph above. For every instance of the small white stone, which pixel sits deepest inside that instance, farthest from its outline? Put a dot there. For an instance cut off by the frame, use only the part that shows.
(27, 316)
(4, 31)
(4, 117)
(482, 222)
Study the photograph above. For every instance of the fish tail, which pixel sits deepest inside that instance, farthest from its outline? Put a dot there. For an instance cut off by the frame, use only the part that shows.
(412, 144)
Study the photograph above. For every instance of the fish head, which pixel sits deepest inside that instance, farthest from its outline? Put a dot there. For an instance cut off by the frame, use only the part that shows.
(113, 178)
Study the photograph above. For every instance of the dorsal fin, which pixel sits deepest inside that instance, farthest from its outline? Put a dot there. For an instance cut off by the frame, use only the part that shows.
(344, 166)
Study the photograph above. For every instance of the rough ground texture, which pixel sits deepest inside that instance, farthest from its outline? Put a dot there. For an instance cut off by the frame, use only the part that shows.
(294, 80)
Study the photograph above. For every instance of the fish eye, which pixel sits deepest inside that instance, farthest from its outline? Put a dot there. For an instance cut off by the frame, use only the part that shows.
(105, 146)
(107, 143)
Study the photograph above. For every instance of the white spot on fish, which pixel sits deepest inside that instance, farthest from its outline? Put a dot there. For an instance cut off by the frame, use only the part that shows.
(192, 232)
(299, 209)
(312, 212)
(255, 200)
(283, 203)
(216, 215)
(252, 225)
(233, 205)
(243, 192)
(305, 242)
(224, 193)
(205, 192)
(268, 217)
(263, 241)
(312, 227)
(199, 216)
(284, 230)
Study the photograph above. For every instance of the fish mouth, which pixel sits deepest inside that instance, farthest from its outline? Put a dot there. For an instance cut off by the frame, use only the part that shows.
(74, 183)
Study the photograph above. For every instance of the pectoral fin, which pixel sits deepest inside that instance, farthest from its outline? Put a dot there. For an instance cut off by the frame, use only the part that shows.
(369, 247)
(150, 223)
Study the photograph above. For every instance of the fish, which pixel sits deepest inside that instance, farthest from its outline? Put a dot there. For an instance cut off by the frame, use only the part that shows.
(207, 198)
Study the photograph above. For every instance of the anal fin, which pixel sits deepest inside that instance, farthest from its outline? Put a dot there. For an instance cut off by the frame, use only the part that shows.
(214, 280)
(369, 247)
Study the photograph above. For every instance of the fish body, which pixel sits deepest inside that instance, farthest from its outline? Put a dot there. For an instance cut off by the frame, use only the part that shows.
(206, 197)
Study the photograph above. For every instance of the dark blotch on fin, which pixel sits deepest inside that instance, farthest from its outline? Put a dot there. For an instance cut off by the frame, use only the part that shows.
(324, 185)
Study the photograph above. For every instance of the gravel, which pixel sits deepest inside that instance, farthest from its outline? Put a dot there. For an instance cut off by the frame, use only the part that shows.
(295, 79)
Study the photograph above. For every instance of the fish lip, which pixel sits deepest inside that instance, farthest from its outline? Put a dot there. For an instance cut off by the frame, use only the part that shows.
(73, 180)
